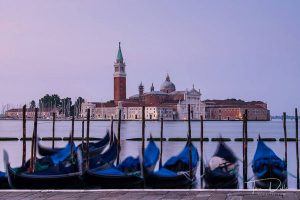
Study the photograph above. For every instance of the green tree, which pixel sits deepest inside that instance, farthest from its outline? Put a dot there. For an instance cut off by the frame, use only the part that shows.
(32, 104)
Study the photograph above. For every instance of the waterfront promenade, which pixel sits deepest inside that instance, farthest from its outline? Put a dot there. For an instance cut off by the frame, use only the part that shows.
(150, 194)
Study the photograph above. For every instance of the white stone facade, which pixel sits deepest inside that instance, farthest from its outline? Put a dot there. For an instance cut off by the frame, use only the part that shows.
(192, 97)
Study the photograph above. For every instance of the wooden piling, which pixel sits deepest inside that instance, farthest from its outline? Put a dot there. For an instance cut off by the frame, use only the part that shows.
(53, 129)
(143, 133)
(87, 139)
(285, 140)
(35, 137)
(201, 153)
(24, 137)
(161, 140)
(119, 137)
(31, 153)
(33, 143)
(111, 131)
(297, 147)
(190, 142)
(245, 149)
(72, 139)
(82, 135)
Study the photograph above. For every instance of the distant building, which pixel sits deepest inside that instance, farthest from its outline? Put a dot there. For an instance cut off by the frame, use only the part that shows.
(17, 113)
(232, 109)
(166, 103)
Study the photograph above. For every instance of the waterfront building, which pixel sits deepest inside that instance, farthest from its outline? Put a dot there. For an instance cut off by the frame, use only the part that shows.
(166, 102)
(232, 109)
(17, 113)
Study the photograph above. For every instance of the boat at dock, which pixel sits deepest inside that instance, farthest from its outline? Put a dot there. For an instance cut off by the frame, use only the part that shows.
(128, 174)
(222, 170)
(269, 170)
(175, 173)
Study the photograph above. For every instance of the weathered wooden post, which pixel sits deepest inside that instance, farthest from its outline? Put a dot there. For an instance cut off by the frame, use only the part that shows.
(119, 137)
(161, 140)
(82, 135)
(201, 153)
(53, 129)
(285, 140)
(35, 137)
(87, 139)
(245, 149)
(24, 137)
(33, 143)
(143, 134)
(190, 142)
(71, 139)
(297, 147)
(111, 131)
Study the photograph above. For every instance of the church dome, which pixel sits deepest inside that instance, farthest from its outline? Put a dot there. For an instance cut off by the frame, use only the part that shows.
(167, 86)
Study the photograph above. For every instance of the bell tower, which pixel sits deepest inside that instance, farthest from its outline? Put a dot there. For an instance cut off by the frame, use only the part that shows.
(119, 78)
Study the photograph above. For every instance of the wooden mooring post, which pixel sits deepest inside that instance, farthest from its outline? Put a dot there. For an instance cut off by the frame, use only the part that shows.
(161, 140)
(53, 129)
(190, 142)
(35, 137)
(72, 139)
(33, 143)
(143, 133)
(119, 137)
(201, 152)
(111, 131)
(87, 139)
(24, 137)
(245, 149)
(82, 135)
(285, 141)
(297, 147)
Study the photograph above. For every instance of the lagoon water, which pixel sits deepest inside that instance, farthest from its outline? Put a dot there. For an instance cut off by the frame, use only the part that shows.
(132, 129)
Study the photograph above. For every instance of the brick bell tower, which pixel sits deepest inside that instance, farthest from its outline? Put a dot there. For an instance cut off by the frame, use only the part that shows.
(119, 78)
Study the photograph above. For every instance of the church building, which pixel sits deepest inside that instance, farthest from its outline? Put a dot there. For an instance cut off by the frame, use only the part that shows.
(166, 102)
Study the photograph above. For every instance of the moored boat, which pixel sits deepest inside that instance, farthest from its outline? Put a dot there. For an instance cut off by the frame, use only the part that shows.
(175, 173)
(3, 181)
(61, 170)
(126, 175)
(95, 147)
(269, 170)
(222, 170)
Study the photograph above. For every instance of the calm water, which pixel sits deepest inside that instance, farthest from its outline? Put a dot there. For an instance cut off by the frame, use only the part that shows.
(132, 129)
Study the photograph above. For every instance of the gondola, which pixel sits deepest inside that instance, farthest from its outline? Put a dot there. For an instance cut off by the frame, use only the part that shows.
(64, 174)
(222, 171)
(126, 175)
(105, 159)
(269, 170)
(96, 147)
(175, 172)
(3, 181)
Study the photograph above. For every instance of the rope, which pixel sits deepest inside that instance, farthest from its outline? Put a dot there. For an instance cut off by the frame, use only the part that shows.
(186, 175)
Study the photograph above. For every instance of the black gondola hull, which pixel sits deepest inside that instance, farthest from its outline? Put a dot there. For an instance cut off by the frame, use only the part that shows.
(106, 181)
(4, 183)
(158, 182)
(28, 181)
(181, 181)
(220, 181)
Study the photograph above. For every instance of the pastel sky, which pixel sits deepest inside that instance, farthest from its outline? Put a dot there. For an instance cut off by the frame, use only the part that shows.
(246, 49)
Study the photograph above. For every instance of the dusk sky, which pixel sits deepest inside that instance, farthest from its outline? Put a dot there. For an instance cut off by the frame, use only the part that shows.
(243, 49)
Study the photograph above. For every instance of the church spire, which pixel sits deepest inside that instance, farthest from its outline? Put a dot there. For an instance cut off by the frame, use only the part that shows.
(120, 56)
(168, 77)
(141, 89)
(152, 88)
